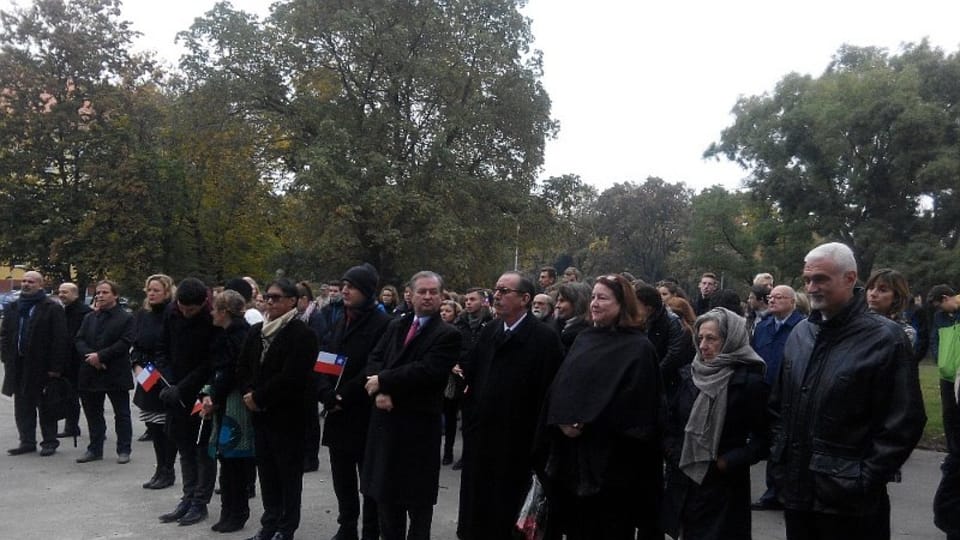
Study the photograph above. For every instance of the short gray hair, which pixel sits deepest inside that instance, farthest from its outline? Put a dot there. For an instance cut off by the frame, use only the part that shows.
(841, 254)
(230, 301)
(422, 275)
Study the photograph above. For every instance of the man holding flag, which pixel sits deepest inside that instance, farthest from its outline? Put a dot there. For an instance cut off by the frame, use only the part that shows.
(347, 405)
(187, 335)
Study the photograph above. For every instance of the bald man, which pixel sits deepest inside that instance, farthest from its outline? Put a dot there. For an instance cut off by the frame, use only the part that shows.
(34, 347)
(75, 310)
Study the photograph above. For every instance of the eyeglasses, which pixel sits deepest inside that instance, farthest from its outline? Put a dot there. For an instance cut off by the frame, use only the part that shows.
(274, 297)
(504, 290)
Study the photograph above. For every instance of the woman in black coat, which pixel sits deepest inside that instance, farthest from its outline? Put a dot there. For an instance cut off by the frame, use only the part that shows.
(275, 373)
(148, 334)
(717, 430)
(573, 311)
(603, 472)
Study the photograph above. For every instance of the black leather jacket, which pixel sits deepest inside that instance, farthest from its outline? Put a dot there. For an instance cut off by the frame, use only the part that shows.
(847, 411)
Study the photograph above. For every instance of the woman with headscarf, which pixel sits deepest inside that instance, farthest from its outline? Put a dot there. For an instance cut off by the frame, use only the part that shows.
(603, 469)
(717, 429)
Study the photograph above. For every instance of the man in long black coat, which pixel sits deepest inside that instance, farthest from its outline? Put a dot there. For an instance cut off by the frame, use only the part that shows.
(347, 404)
(507, 376)
(188, 332)
(34, 346)
(408, 372)
(75, 309)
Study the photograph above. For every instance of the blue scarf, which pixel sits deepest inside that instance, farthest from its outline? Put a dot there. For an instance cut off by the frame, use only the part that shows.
(26, 303)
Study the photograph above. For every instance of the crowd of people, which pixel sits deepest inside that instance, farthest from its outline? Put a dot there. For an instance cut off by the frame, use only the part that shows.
(632, 409)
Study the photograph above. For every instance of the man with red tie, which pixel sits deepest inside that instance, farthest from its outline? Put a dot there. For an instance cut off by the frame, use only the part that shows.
(407, 372)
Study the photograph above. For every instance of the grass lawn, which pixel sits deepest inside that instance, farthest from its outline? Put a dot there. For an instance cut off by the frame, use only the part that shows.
(930, 384)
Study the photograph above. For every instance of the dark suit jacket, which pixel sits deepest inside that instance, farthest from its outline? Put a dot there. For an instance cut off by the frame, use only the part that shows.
(110, 334)
(402, 458)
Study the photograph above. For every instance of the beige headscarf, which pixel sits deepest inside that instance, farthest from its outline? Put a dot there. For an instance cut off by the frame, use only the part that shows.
(705, 425)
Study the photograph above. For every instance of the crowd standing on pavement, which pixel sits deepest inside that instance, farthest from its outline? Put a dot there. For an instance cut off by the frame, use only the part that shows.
(631, 409)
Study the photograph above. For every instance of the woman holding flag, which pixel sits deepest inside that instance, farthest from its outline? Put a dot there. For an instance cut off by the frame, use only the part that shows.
(273, 374)
(231, 439)
(148, 331)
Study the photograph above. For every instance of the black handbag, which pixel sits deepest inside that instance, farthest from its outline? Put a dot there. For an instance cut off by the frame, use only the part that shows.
(57, 398)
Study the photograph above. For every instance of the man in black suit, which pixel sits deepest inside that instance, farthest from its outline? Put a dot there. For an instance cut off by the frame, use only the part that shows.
(407, 373)
(507, 376)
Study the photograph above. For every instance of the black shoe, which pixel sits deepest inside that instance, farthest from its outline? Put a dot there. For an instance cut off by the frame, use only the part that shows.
(145, 437)
(69, 432)
(261, 535)
(152, 480)
(446, 460)
(232, 525)
(766, 504)
(20, 450)
(48, 451)
(458, 465)
(178, 512)
(165, 479)
(281, 536)
(196, 514)
(89, 456)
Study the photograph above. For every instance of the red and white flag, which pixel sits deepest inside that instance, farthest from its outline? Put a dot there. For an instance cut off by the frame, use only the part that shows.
(330, 364)
(148, 377)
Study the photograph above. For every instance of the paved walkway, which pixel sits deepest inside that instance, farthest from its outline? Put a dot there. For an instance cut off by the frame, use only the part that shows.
(56, 498)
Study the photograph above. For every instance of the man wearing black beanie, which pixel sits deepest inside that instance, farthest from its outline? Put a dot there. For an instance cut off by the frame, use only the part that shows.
(345, 401)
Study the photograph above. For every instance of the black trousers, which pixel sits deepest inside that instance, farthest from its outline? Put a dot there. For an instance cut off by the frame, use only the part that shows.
(951, 417)
(802, 525)
(450, 409)
(97, 424)
(311, 442)
(393, 521)
(280, 466)
(26, 410)
(346, 467)
(234, 503)
(164, 448)
(197, 469)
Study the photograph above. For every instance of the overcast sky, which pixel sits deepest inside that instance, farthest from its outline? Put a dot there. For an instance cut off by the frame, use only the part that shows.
(642, 88)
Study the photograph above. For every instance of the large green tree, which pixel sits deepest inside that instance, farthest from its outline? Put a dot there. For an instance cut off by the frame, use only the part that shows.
(867, 153)
(637, 227)
(69, 139)
(410, 132)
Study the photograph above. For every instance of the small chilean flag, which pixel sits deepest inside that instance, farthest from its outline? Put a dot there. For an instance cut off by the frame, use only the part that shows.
(197, 407)
(330, 364)
(148, 377)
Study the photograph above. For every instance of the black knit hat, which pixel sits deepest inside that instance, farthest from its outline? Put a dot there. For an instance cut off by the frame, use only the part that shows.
(365, 278)
(241, 286)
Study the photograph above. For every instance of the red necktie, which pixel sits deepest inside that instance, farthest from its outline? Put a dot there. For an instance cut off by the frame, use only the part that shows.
(412, 332)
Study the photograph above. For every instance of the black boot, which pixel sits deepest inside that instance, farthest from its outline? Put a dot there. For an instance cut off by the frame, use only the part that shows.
(149, 483)
(165, 479)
